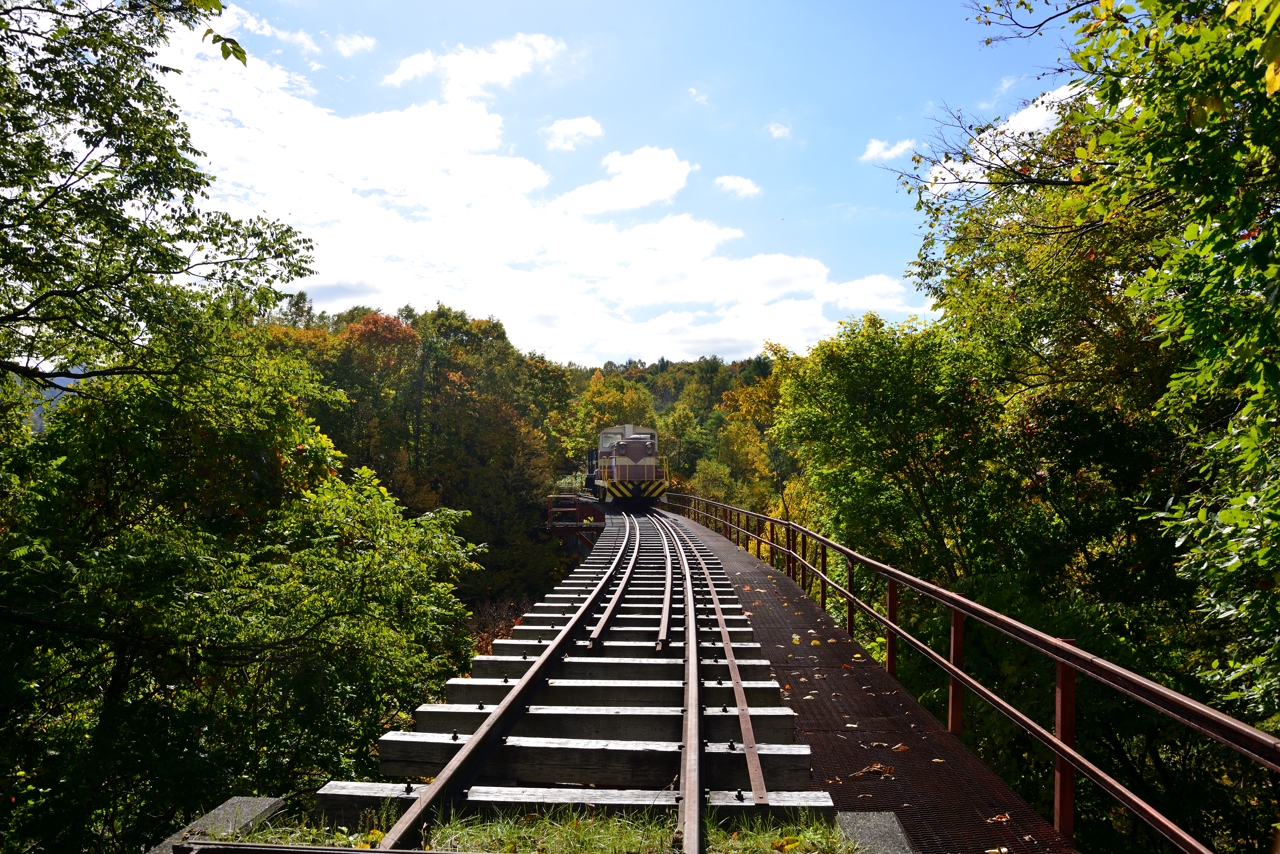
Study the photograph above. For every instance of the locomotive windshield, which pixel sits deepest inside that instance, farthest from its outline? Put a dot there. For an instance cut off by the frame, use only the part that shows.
(622, 432)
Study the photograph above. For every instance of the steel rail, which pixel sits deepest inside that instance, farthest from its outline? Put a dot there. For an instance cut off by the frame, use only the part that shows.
(1153, 817)
(467, 763)
(759, 794)
(597, 634)
(1261, 747)
(664, 626)
(689, 820)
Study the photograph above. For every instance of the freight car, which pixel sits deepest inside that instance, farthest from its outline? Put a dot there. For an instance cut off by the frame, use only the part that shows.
(625, 466)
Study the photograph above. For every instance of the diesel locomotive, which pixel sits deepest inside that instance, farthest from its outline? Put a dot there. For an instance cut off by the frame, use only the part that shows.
(625, 466)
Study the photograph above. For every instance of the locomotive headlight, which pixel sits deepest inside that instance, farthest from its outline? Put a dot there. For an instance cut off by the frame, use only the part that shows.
(620, 448)
(650, 448)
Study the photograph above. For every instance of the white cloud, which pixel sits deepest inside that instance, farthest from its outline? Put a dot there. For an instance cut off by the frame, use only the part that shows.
(565, 134)
(411, 68)
(467, 71)
(698, 97)
(427, 203)
(743, 188)
(878, 149)
(778, 131)
(315, 66)
(644, 176)
(1036, 117)
(235, 17)
(351, 45)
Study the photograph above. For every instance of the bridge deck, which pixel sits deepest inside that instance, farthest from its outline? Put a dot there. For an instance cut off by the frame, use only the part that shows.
(852, 714)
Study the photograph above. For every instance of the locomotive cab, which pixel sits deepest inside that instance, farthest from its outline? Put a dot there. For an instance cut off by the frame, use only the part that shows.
(625, 465)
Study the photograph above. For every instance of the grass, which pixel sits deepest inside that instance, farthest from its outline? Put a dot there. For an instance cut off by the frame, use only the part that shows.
(569, 831)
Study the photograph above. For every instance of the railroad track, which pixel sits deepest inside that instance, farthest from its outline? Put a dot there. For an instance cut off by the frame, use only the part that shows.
(601, 698)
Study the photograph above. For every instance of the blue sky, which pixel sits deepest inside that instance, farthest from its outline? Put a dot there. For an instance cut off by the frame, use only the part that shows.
(609, 180)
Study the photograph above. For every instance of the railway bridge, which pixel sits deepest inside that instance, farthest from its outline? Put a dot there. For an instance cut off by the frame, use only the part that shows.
(690, 664)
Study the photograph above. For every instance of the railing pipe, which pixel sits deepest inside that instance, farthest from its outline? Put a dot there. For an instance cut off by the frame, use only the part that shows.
(1259, 746)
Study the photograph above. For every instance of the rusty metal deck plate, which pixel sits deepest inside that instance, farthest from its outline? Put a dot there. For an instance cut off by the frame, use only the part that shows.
(853, 715)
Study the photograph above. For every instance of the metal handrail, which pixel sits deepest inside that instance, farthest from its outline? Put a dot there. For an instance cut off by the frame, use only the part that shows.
(1259, 746)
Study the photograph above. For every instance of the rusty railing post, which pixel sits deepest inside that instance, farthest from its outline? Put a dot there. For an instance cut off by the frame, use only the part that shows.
(773, 546)
(848, 585)
(822, 559)
(759, 531)
(786, 547)
(891, 639)
(1064, 727)
(955, 691)
(802, 571)
(791, 551)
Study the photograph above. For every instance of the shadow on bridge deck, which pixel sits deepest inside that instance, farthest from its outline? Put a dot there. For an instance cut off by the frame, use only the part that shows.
(852, 714)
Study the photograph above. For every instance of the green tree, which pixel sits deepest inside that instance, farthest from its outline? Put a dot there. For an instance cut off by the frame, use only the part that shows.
(1176, 115)
(102, 239)
(195, 605)
(450, 414)
(192, 604)
(606, 401)
(922, 449)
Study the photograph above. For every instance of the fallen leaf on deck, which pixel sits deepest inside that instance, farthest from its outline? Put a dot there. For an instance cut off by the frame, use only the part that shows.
(939, 760)
(998, 819)
(879, 744)
(900, 748)
(881, 770)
